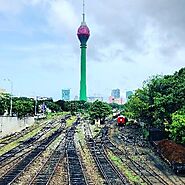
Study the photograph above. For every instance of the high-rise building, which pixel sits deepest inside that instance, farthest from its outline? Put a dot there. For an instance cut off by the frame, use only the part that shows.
(83, 34)
(115, 93)
(66, 94)
(128, 94)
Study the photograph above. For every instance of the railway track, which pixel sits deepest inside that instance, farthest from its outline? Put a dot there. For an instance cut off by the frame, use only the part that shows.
(146, 173)
(107, 169)
(24, 145)
(161, 166)
(47, 170)
(9, 164)
(15, 136)
(141, 167)
(19, 168)
(10, 161)
(75, 171)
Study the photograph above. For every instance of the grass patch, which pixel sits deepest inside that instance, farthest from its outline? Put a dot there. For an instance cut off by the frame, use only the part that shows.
(145, 133)
(70, 121)
(80, 136)
(51, 131)
(13, 144)
(116, 160)
(51, 115)
(95, 129)
(34, 129)
(135, 158)
(30, 134)
(135, 179)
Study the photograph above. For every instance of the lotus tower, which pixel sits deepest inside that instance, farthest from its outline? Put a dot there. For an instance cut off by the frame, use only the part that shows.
(83, 34)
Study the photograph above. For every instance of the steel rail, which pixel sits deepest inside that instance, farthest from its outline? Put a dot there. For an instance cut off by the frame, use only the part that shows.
(145, 174)
(27, 143)
(75, 170)
(24, 145)
(18, 169)
(47, 170)
(106, 167)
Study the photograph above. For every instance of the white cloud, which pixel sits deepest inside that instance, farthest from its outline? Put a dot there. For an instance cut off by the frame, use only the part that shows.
(62, 16)
(12, 7)
(130, 40)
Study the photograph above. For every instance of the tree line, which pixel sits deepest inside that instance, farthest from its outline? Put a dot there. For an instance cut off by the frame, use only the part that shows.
(161, 103)
(24, 106)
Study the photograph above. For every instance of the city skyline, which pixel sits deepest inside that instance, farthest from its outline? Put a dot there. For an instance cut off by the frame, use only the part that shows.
(40, 50)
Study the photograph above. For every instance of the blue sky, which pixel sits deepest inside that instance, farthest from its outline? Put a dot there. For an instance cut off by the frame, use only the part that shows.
(130, 41)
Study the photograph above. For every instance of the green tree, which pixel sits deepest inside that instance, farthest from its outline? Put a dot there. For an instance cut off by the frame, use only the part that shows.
(99, 110)
(177, 128)
(116, 106)
(168, 94)
(23, 106)
(4, 102)
(159, 98)
(62, 105)
(74, 106)
(54, 107)
(138, 106)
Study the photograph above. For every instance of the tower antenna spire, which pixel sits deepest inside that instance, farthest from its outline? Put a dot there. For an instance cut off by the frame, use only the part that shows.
(83, 10)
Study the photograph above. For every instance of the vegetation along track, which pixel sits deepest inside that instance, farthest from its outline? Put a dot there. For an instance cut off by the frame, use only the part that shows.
(15, 136)
(16, 170)
(132, 135)
(140, 167)
(144, 171)
(107, 169)
(12, 137)
(25, 144)
(47, 170)
(75, 171)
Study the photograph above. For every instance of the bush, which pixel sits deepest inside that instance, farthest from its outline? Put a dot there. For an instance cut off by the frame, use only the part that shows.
(177, 128)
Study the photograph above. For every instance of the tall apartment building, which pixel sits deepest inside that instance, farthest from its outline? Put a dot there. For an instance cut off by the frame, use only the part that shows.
(66, 94)
(115, 93)
(128, 94)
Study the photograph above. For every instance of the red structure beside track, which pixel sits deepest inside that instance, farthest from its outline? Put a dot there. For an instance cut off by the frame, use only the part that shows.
(121, 120)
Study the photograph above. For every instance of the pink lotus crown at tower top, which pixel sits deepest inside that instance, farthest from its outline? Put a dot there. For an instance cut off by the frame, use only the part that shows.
(83, 30)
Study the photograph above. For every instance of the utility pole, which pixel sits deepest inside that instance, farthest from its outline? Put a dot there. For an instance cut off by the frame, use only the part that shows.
(1, 125)
(35, 105)
(11, 94)
(11, 101)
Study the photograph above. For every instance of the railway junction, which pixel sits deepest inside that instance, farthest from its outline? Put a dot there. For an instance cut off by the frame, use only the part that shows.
(66, 150)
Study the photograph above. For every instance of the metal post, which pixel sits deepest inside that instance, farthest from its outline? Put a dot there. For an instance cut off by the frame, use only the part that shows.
(35, 105)
(11, 94)
(1, 125)
(11, 97)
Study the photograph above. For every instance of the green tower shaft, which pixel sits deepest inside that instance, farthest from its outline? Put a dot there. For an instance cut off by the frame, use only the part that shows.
(83, 34)
(83, 93)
